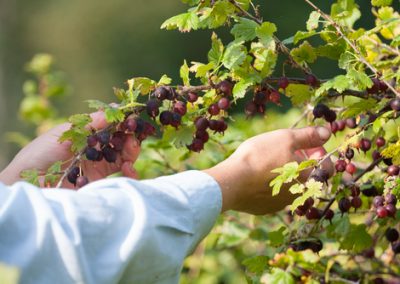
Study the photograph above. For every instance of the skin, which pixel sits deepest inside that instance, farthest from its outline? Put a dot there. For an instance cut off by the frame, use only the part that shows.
(243, 178)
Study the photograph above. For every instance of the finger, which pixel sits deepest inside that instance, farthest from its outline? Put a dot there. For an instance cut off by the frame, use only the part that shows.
(128, 170)
(310, 137)
(98, 120)
(131, 149)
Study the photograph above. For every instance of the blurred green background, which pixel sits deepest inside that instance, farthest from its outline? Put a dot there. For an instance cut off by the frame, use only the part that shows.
(100, 44)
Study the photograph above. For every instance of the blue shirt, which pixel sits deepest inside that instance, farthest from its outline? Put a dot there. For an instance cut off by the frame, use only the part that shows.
(115, 230)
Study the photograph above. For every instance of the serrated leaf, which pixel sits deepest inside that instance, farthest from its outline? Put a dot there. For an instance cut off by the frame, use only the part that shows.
(278, 276)
(178, 137)
(300, 35)
(256, 264)
(55, 168)
(77, 136)
(244, 30)
(313, 20)
(345, 12)
(277, 237)
(96, 104)
(359, 107)
(234, 55)
(299, 93)
(184, 73)
(265, 33)
(357, 239)
(307, 164)
(338, 83)
(313, 190)
(304, 53)
(359, 79)
(80, 120)
(143, 84)
(240, 88)
(216, 51)
(119, 93)
(297, 188)
(184, 22)
(287, 174)
(265, 58)
(217, 15)
(164, 80)
(201, 69)
(31, 176)
(114, 115)
(347, 60)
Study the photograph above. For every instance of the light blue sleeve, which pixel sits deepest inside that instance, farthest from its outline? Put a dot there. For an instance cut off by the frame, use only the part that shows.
(112, 231)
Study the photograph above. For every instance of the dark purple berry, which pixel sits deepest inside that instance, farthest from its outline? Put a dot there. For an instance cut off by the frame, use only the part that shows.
(375, 88)
(192, 97)
(81, 181)
(392, 235)
(313, 214)
(117, 142)
(344, 205)
(92, 140)
(260, 98)
(91, 154)
(152, 108)
(161, 93)
(283, 82)
(380, 142)
(330, 116)
(393, 170)
(213, 124)
(349, 153)
(390, 199)
(378, 201)
(391, 209)
(110, 155)
(312, 80)
(176, 120)
(225, 87)
(381, 212)
(395, 104)
(370, 191)
(334, 127)
(341, 125)
(104, 137)
(355, 190)
(351, 123)
(329, 214)
(223, 103)
(166, 117)
(320, 110)
(202, 135)
(202, 123)
(179, 108)
(376, 155)
(396, 247)
(197, 145)
(340, 166)
(213, 109)
(320, 175)
(73, 175)
(365, 144)
(356, 202)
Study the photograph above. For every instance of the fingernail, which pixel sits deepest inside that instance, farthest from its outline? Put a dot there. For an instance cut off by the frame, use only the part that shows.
(323, 133)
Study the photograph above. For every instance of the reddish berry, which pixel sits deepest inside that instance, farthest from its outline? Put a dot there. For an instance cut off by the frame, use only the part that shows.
(192, 97)
(275, 97)
(312, 80)
(351, 168)
(380, 142)
(393, 170)
(202, 123)
(283, 82)
(180, 108)
(225, 87)
(223, 103)
(340, 166)
(81, 181)
(381, 212)
(213, 109)
(351, 123)
(356, 202)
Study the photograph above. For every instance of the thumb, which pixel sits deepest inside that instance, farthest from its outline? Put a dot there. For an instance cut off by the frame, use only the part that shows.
(310, 137)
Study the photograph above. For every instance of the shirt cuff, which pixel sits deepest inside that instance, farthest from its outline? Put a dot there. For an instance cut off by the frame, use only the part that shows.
(204, 198)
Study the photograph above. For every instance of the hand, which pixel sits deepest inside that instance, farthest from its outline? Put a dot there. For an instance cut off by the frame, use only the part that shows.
(45, 150)
(245, 176)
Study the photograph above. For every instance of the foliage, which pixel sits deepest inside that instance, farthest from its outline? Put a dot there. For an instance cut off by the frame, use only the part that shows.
(361, 105)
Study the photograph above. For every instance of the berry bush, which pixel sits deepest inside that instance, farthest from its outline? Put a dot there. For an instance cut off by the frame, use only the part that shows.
(339, 229)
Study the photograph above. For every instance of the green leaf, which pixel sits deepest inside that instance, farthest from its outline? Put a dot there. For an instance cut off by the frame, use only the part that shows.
(338, 83)
(80, 120)
(392, 151)
(201, 69)
(297, 188)
(265, 58)
(143, 84)
(313, 190)
(234, 55)
(313, 21)
(164, 80)
(256, 264)
(77, 136)
(345, 12)
(307, 164)
(357, 239)
(279, 276)
(359, 79)
(96, 104)
(31, 176)
(347, 60)
(55, 168)
(380, 3)
(217, 15)
(304, 53)
(277, 237)
(114, 115)
(300, 35)
(244, 30)
(184, 73)
(240, 88)
(358, 107)
(184, 22)
(299, 93)
(265, 33)
(217, 49)
(287, 174)
(331, 50)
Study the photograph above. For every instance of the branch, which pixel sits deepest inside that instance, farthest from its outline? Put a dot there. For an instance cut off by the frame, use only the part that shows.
(352, 45)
